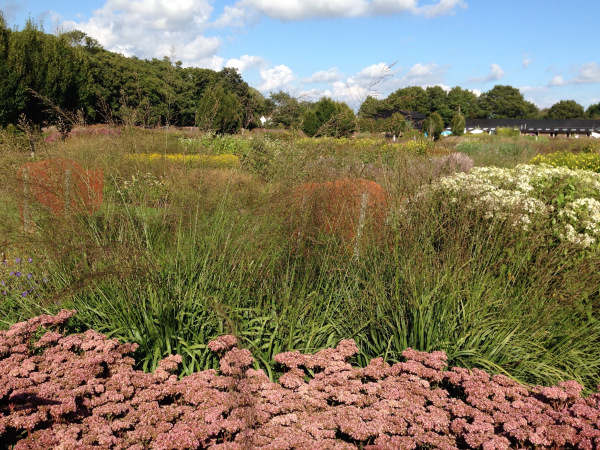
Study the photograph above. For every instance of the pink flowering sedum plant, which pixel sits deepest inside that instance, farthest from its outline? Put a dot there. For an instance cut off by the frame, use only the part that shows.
(81, 391)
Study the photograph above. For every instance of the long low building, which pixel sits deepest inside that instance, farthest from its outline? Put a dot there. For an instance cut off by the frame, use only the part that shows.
(551, 127)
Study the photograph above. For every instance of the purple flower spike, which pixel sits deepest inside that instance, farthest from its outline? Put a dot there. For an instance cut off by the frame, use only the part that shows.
(18, 274)
(24, 294)
(17, 260)
(29, 276)
(29, 260)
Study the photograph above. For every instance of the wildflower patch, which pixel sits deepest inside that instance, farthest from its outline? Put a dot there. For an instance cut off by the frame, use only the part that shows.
(583, 161)
(565, 201)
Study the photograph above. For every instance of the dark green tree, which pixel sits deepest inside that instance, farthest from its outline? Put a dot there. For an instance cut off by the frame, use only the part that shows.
(457, 124)
(343, 121)
(310, 123)
(465, 100)
(566, 109)
(433, 126)
(506, 102)
(397, 124)
(7, 84)
(332, 119)
(219, 111)
(413, 98)
(369, 109)
(593, 111)
(438, 102)
(287, 110)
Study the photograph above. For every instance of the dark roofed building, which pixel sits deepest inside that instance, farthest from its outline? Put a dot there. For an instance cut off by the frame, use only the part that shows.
(552, 127)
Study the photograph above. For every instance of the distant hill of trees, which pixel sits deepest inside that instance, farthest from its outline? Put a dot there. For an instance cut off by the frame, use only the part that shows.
(42, 73)
(50, 78)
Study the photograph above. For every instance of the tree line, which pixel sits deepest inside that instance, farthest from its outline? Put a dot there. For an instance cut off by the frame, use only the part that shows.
(46, 77)
(70, 77)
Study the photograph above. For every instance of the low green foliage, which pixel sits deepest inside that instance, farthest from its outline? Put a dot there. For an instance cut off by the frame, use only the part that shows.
(496, 150)
(508, 132)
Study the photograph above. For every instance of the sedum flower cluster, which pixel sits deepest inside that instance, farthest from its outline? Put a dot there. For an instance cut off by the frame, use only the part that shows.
(81, 392)
(566, 201)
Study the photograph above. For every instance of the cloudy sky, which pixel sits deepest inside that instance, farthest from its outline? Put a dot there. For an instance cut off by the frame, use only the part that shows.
(347, 49)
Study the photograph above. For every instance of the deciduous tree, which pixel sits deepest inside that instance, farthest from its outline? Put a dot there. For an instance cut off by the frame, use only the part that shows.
(566, 109)
(506, 102)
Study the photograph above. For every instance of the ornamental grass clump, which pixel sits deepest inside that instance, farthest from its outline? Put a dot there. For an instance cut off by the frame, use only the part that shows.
(81, 391)
(341, 207)
(191, 160)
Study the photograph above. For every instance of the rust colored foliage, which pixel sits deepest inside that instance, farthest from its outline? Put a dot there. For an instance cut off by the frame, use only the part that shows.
(343, 206)
(61, 185)
(81, 392)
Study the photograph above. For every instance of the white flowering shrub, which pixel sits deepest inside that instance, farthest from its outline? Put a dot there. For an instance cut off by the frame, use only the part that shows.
(564, 202)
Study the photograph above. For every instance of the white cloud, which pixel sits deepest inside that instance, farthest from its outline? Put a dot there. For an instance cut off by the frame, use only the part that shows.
(313, 95)
(586, 74)
(530, 89)
(589, 73)
(279, 77)
(211, 62)
(324, 76)
(372, 80)
(526, 61)
(351, 93)
(442, 8)
(494, 74)
(305, 9)
(290, 10)
(150, 28)
(246, 62)
(556, 81)
(375, 72)
(429, 74)
(232, 16)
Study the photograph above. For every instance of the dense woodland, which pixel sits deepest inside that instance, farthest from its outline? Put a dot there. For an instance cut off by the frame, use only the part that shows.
(68, 77)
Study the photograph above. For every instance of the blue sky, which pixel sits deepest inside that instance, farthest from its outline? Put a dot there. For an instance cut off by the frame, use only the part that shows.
(549, 49)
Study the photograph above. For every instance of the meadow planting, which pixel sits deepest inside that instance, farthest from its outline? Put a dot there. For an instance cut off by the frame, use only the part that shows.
(275, 290)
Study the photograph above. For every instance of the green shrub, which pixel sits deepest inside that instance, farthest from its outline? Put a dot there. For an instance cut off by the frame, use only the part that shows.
(457, 125)
(433, 125)
(508, 132)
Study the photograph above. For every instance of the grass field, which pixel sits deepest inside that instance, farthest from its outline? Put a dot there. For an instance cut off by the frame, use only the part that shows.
(184, 249)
